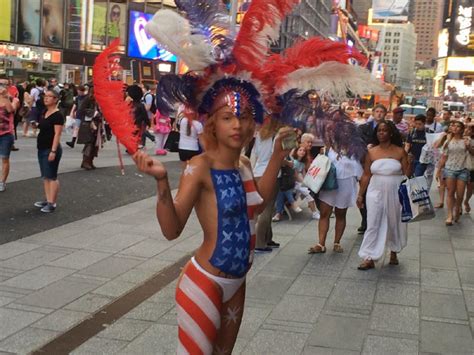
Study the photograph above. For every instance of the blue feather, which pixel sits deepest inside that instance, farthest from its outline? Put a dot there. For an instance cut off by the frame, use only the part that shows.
(173, 89)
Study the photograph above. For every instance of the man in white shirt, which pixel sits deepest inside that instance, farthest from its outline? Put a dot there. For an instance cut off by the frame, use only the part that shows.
(431, 125)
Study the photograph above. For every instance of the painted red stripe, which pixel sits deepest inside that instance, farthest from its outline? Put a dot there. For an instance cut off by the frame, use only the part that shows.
(208, 286)
(189, 344)
(197, 315)
(249, 186)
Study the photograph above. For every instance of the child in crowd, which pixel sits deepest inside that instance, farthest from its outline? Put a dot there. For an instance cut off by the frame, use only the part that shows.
(162, 128)
(299, 157)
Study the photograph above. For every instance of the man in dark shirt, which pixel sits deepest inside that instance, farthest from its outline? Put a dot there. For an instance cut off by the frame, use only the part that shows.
(367, 132)
(415, 142)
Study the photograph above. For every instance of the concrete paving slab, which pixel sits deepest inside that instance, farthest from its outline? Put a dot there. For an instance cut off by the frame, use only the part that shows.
(31, 259)
(464, 258)
(375, 345)
(308, 285)
(352, 294)
(148, 342)
(27, 340)
(444, 338)
(395, 318)
(438, 261)
(443, 306)
(317, 350)
(268, 287)
(146, 248)
(304, 309)
(339, 332)
(16, 248)
(466, 275)
(58, 294)
(275, 342)
(28, 308)
(116, 243)
(89, 303)
(149, 311)
(439, 278)
(110, 267)
(61, 320)
(398, 293)
(14, 320)
(38, 278)
(114, 288)
(437, 246)
(79, 259)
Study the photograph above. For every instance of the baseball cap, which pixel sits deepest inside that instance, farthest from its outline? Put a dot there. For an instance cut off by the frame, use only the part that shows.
(398, 110)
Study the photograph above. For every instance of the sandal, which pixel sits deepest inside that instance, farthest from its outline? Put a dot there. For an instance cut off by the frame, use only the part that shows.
(393, 258)
(366, 265)
(317, 249)
(449, 222)
(439, 205)
(467, 207)
(276, 218)
(337, 248)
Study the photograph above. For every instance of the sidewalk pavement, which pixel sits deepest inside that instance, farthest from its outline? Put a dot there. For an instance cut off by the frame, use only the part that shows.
(296, 303)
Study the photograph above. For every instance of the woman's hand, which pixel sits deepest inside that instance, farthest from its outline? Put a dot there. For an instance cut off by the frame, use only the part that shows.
(149, 166)
(360, 201)
(283, 133)
(51, 156)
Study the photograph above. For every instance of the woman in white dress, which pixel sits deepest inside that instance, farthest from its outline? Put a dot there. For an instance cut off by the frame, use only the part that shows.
(386, 164)
(348, 171)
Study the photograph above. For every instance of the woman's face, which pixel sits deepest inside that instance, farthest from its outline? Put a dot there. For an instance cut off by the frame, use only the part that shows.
(50, 100)
(383, 133)
(233, 131)
(457, 128)
(301, 152)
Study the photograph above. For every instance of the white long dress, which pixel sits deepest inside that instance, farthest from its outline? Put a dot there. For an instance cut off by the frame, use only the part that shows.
(384, 223)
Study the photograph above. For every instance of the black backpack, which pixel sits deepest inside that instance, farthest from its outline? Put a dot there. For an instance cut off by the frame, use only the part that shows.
(286, 180)
(153, 103)
(40, 106)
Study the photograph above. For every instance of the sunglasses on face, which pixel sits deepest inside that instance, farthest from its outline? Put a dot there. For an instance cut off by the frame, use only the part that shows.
(116, 13)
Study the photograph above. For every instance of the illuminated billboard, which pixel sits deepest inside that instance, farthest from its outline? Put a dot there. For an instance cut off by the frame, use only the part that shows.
(140, 43)
(390, 9)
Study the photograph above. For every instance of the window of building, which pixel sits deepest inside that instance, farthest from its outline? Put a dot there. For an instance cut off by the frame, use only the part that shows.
(388, 40)
(394, 61)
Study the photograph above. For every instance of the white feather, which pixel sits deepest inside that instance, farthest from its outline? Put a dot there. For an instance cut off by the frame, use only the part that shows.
(333, 78)
(173, 33)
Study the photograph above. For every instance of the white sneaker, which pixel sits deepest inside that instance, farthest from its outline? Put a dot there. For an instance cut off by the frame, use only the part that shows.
(297, 209)
(3, 186)
(316, 215)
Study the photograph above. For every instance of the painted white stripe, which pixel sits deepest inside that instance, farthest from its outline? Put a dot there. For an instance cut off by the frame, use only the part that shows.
(181, 349)
(253, 199)
(192, 329)
(252, 227)
(198, 296)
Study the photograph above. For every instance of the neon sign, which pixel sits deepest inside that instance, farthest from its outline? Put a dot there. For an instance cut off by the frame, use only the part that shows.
(465, 23)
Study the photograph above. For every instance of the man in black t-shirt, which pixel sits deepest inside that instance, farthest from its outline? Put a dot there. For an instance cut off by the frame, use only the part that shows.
(415, 142)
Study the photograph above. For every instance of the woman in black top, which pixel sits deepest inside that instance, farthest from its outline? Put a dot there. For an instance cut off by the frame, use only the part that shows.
(49, 150)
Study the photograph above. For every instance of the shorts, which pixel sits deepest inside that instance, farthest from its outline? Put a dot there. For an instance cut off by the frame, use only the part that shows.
(185, 155)
(77, 123)
(456, 174)
(49, 169)
(6, 144)
(34, 115)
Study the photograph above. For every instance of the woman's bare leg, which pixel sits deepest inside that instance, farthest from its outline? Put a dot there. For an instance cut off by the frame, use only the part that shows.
(340, 223)
(323, 225)
(451, 185)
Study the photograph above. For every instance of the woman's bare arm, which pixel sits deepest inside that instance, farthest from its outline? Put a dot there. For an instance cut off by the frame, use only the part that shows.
(172, 214)
(365, 178)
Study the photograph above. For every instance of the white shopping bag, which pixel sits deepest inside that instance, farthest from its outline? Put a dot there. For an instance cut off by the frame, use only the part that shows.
(69, 123)
(415, 200)
(317, 173)
(430, 154)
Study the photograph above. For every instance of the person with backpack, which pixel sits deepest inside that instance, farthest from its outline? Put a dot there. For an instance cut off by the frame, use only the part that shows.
(81, 96)
(415, 141)
(142, 121)
(148, 101)
(38, 107)
(66, 99)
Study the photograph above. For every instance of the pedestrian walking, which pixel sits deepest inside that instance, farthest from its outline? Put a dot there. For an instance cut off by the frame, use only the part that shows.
(76, 114)
(190, 131)
(384, 169)
(456, 150)
(348, 172)
(416, 140)
(7, 137)
(49, 150)
(162, 129)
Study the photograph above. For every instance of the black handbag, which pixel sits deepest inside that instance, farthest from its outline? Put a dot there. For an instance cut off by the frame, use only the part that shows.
(172, 143)
(287, 178)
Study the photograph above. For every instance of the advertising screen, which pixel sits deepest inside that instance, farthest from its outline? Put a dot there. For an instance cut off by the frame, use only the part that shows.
(391, 9)
(29, 21)
(462, 30)
(140, 44)
(5, 20)
(52, 23)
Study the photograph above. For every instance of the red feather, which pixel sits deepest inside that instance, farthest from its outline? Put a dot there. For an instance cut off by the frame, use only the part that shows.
(307, 54)
(110, 97)
(259, 28)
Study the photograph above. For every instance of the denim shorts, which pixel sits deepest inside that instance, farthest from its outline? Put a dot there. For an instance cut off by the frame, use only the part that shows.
(49, 169)
(6, 144)
(457, 174)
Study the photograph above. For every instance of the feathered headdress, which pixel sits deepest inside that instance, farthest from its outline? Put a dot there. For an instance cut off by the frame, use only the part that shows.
(241, 72)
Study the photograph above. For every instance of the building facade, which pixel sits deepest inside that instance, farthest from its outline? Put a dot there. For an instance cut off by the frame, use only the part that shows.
(361, 8)
(61, 38)
(398, 54)
(427, 18)
(310, 18)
